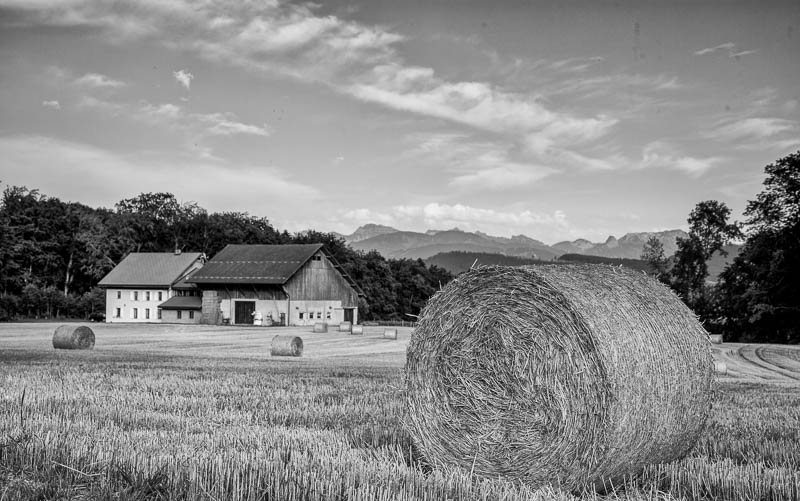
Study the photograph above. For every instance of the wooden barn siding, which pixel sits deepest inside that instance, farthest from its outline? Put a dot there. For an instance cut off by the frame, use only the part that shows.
(319, 281)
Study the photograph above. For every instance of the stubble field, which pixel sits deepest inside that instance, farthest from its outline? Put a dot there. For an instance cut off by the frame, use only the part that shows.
(197, 412)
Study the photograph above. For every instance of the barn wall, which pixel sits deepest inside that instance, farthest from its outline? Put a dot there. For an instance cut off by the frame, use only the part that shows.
(218, 304)
(318, 280)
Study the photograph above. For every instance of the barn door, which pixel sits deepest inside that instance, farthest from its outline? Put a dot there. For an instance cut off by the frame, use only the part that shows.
(348, 315)
(243, 312)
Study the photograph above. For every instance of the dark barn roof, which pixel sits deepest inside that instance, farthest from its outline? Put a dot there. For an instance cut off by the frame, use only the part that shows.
(150, 269)
(261, 264)
(182, 303)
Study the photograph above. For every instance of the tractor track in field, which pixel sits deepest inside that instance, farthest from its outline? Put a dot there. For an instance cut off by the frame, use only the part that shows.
(759, 363)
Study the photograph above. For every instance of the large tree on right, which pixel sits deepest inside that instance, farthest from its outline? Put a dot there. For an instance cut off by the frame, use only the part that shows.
(760, 289)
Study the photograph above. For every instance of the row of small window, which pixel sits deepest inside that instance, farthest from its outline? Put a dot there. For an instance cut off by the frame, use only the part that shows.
(311, 315)
(135, 313)
(159, 295)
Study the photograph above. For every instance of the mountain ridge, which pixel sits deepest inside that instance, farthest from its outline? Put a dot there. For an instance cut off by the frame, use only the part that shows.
(398, 244)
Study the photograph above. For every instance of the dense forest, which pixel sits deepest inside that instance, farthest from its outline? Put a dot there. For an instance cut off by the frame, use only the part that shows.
(53, 253)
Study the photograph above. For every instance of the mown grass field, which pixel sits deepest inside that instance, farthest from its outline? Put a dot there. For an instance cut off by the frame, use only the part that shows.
(196, 412)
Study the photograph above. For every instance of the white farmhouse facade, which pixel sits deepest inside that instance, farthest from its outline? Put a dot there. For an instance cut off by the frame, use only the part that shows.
(141, 288)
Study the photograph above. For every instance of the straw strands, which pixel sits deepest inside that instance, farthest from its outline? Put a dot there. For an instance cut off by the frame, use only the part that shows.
(70, 337)
(575, 376)
(286, 346)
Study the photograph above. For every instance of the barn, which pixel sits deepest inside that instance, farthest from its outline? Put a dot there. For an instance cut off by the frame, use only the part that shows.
(283, 284)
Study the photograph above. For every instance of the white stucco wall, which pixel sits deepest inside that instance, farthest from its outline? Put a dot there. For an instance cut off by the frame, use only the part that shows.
(134, 298)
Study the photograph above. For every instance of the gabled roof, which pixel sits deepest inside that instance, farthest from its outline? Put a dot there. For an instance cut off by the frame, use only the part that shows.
(255, 264)
(182, 303)
(150, 269)
(262, 264)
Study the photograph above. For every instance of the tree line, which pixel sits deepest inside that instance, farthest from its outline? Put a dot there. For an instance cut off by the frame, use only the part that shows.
(53, 253)
(757, 296)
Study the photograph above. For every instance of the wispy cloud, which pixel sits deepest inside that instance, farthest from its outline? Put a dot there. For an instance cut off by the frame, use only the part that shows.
(184, 78)
(98, 81)
(730, 47)
(52, 104)
(474, 164)
(757, 133)
(176, 117)
(661, 154)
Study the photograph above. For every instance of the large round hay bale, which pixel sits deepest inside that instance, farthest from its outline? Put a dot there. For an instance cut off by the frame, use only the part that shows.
(715, 338)
(720, 367)
(345, 326)
(571, 375)
(390, 333)
(286, 346)
(357, 330)
(71, 337)
(320, 327)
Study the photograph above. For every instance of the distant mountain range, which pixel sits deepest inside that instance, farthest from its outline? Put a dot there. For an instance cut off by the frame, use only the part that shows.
(393, 243)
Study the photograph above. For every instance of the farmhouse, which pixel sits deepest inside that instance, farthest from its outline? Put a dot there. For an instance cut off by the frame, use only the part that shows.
(283, 284)
(152, 287)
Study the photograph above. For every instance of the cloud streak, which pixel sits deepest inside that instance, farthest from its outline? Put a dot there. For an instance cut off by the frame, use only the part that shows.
(730, 47)
(98, 81)
(55, 105)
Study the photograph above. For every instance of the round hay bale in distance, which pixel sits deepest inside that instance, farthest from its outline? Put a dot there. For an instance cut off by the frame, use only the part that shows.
(575, 376)
(715, 338)
(320, 327)
(345, 326)
(286, 346)
(389, 333)
(357, 330)
(720, 367)
(72, 337)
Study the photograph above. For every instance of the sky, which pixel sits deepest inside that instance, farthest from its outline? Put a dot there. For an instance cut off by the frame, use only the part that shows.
(557, 120)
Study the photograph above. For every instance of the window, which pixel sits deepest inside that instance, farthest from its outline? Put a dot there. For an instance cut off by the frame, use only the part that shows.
(179, 314)
(147, 296)
(119, 294)
(159, 297)
(147, 313)
(328, 316)
(118, 313)
(319, 315)
(136, 313)
(159, 312)
(191, 314)
(135, 295)
(301, 315)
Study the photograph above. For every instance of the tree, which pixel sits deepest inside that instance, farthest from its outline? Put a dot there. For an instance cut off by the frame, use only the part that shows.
(760, 289)
(709, 232)
(653, 254)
